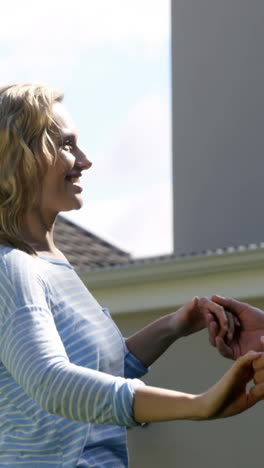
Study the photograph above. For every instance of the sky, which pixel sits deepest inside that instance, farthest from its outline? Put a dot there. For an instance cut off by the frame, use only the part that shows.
(112, 61)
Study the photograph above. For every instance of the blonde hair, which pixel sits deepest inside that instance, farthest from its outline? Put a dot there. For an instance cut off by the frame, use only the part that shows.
(26, 149)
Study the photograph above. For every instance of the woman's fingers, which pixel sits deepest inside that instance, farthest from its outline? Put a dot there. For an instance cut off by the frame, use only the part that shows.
(258, 389)
(220, 322)
(258, 366)
(242, 370)
(212, 327)
(259, 377)
(246, 359)
(217, 311)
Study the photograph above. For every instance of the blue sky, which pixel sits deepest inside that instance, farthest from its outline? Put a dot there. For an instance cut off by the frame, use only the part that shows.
(112, 60)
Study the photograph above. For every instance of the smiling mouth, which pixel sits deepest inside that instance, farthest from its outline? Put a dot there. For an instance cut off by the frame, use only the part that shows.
(75, 181)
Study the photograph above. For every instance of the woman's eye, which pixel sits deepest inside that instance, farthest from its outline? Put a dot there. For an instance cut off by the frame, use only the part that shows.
(67, 145)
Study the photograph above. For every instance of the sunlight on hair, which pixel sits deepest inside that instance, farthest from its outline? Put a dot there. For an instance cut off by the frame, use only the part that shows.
(26, 148)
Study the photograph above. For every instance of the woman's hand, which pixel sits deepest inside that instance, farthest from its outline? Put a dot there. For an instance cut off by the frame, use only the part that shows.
(150, 342)
(226, 398)
(258, 365)
(193, 316)
(229, 396)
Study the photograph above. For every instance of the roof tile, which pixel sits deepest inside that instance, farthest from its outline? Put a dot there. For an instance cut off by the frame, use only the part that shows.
(85, 250)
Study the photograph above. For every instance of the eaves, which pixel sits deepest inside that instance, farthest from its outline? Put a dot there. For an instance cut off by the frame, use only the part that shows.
(171, 267)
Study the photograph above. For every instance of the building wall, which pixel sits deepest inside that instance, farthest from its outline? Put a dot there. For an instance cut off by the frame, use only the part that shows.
(140, 293)
(192, 365)
(218, 117)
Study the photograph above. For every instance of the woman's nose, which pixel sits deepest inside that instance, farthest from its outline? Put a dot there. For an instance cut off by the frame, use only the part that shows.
(87, 163)
(83, 161)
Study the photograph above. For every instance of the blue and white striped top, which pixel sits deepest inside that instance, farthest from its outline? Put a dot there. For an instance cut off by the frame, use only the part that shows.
(67, 380)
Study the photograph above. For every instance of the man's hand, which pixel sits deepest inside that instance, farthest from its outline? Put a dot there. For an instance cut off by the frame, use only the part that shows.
(249, 328)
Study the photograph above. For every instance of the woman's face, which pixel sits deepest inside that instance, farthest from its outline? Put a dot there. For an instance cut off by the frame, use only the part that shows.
(61, 186)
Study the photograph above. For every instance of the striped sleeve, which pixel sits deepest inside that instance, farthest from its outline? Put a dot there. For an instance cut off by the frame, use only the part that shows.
(133, 367)
(33, 353)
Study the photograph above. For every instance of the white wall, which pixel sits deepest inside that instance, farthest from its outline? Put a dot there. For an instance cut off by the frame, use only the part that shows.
(218, 118)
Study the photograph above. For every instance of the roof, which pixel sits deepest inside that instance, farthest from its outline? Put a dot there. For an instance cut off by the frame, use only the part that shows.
(245, 262)
(85, 250)
(172, 258)
(88, 252)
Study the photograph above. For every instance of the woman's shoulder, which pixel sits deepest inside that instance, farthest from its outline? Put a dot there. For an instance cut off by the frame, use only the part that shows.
(15, 261)
(21, 280)
(11, 255)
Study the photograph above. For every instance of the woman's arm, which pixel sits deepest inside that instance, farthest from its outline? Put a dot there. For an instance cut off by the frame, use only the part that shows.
(226, 398)
(32, 352)
(150, 342)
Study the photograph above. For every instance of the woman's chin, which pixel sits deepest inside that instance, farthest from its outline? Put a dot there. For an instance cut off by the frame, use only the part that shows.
(75, 204)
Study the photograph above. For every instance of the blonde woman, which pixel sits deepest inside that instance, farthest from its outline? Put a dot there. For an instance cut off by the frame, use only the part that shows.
(69, 382)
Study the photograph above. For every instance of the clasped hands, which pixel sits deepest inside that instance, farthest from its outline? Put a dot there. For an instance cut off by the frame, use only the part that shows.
(235, 330)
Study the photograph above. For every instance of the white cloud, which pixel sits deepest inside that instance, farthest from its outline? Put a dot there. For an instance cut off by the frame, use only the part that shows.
(146, 225)
(140, 153)
(44, 43)
(128, 193)
(86, 22)
(141, 225)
